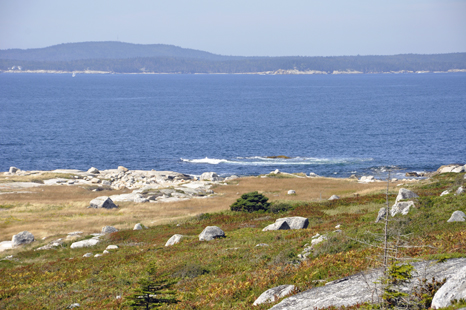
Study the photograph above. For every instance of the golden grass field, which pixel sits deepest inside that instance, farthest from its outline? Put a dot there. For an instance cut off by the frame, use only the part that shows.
(56, 210)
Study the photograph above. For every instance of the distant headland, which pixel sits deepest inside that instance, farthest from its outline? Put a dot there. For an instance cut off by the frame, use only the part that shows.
(120, 57)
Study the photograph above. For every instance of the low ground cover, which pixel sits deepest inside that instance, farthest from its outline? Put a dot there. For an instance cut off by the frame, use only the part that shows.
(230, 273)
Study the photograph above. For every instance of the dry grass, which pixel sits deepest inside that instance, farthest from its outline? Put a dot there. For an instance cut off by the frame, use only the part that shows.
(56, 210)
(38, 177)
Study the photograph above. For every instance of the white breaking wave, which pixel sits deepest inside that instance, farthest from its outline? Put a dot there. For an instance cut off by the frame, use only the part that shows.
(266, 161)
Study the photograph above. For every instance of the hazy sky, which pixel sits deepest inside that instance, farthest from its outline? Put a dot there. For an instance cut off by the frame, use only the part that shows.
(249, 27)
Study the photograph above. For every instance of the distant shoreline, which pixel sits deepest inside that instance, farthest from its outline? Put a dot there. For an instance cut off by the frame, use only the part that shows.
(276, 72)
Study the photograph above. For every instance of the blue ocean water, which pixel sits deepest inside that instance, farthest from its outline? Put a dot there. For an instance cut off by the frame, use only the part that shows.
(333, 125)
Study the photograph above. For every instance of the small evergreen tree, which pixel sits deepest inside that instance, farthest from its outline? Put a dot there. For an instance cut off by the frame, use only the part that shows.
(152, 292)
(251, 202)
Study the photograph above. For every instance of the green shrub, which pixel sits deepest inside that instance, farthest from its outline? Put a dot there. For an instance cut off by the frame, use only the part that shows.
(251, 202)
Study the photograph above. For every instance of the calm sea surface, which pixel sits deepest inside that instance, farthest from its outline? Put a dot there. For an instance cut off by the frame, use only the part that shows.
(332, 125)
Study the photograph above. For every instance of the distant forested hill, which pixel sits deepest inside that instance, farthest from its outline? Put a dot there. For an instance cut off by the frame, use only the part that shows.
(121, 57)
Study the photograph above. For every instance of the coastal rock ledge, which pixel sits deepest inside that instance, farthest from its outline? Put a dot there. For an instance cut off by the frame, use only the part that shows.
(360, 288)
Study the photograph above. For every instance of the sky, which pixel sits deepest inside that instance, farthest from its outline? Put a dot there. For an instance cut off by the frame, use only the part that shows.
(243, 27)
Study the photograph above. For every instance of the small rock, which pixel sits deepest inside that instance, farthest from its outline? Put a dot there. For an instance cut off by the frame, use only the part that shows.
(23, 237)
(122, 169)
(459, 191)
(174, 240)
(313, 175)
(13, 170)
(210, 233)
(261, 244)
(334, 197)
(273, 294)
(338, 226)
(106, 252)
(138, 226)
(318, 240)
(93, 170)
(353, 177)
(457, 216)
(98, 255)
(444, 193)
(276, 171)
(87, 255)
(109, 229)
(112, 247)
(102, 202)
(95, 180)
(381, 215)
(291, 192)
(85, 243)
(75, 305)
(106, 183)
(210, 176)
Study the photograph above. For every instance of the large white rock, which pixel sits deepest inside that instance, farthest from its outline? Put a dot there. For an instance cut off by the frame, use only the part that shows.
(23, 237)
(210, 233)
(454, 288)
(404, 193)
(85, 243)
(210, 176)
(401, 207)
(273, 294)
(457, 216)
(102, 202)
(174, 240)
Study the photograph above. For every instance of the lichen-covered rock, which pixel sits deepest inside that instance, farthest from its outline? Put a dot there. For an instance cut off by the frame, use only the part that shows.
(109, 229)
(273, 294)
(401, 207)
(210, 233)
(454, 288)
(102, 202)
(404, 193)
(457, 216)
(23, 237)
(174, 240)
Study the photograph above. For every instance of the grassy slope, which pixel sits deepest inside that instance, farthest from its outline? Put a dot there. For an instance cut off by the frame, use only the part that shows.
(232, 272)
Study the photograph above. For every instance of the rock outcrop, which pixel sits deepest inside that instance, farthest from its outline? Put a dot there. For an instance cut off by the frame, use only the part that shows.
(360, 288)
(23, 237)
(210, 176)
(273, 294)
(454, 288)
(210, 233)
